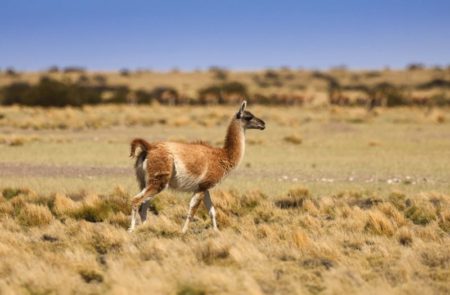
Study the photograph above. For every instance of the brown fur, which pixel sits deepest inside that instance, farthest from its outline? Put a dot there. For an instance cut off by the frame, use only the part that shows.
(196, 157)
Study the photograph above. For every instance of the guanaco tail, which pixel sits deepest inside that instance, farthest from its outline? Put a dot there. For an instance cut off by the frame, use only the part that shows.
(191, 167)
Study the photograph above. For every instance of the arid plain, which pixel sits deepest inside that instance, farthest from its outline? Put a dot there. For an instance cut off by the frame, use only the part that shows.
(328, 200)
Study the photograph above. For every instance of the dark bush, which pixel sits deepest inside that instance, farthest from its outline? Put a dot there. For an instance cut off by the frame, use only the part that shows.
(50, 92)
(53, 69)
(165, 95)
(100, 79)
(83, 79)
(210, 95)
(261, 82)
(219, 73)
(271, 75)
(223, 93)
(15, 93)
(435, 83)
(372, 74)
(74, 69)
(124, 72)
(234, 88)
(392, 95)
(161, 94)
(440, 100)
(143, 97)
(11, 72)
(261, 99)
(357, 87)
(323, 76)
(415, 67)
(120, 94)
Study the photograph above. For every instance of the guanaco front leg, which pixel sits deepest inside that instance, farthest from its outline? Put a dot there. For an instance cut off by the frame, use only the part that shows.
(211, 210)
(193, 206)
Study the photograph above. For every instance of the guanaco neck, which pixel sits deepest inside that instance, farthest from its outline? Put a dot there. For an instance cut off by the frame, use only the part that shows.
(234, 146)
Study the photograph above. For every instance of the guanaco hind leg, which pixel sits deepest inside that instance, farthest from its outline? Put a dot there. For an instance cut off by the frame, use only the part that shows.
(146, 194)
(143, 210)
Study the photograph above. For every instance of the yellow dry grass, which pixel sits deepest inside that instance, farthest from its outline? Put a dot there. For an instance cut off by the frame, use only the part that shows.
(63, 244)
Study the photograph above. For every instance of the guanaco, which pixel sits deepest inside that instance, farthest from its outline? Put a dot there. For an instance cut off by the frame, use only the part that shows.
(191, 167)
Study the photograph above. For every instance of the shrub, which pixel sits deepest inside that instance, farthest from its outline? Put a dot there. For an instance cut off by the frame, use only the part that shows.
(294, 199)
(11, 72)
(421, 215)
(9, 193)
(165, 95)
(124, 72)
(34, 215)
(210, 94)
(415, 67)
(53, 69)
(390, 93)
(74, 69)
(435, 83)
(219, 73)
(15, 93)
(50, 92)
(143, 97)
(440, 99)
(100, 79)
(120, 95)
(234, 88)
(223, 93)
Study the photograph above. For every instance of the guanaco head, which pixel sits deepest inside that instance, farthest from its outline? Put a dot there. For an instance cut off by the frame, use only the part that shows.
(248, 120)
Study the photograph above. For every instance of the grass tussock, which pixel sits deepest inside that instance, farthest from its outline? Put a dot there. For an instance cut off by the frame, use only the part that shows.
(191, 290)
(34, 215)
(212, 251)
(379, 224)
(405, 237)
(293, 199)
(81, 239)
(16, 140)
(293, 139)
(91, 276)
(421, 214)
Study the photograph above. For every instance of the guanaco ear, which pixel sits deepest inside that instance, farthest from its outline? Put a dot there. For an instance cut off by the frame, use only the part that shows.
(241, 109)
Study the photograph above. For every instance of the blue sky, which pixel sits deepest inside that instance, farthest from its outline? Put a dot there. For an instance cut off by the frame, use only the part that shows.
(161, 35)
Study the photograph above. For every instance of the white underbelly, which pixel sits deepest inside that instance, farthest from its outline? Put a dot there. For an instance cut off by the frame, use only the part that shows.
(183, 180)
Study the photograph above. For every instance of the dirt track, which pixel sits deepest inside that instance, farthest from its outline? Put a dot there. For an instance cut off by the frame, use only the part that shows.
(73, 171)
(23, 170)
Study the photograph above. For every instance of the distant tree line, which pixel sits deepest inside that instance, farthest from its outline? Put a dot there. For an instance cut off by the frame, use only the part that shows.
(49, 92)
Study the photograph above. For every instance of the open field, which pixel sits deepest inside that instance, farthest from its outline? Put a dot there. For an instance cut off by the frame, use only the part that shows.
(328, 200)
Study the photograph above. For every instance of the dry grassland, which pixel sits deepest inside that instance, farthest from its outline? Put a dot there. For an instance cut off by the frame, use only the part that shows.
(349, 242)
(327, 201)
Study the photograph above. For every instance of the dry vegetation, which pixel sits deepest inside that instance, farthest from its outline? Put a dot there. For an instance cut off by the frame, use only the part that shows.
(296, 243)
(416, 85)
(329, 200)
